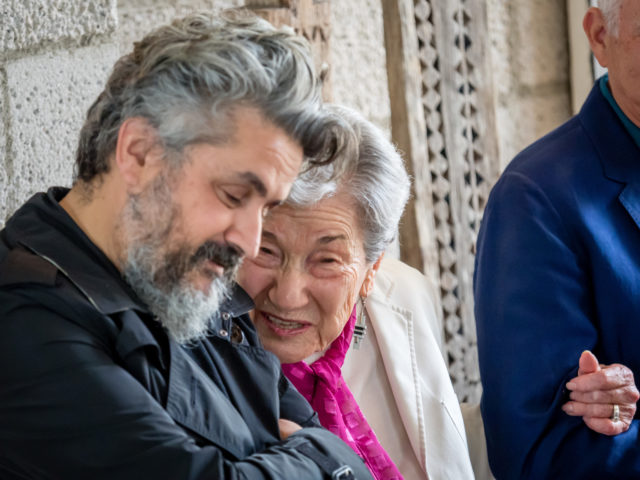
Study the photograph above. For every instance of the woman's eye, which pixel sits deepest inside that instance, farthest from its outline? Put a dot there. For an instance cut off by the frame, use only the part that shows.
(266, 251)
(328, 260)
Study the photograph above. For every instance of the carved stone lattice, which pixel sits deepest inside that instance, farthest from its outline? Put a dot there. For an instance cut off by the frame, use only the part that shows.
(461, 160)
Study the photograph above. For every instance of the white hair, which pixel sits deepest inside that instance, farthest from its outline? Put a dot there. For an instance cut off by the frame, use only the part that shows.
(371, 170)
(611, 12)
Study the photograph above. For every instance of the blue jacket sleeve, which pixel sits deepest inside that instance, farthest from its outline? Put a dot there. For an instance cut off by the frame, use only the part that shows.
(534, 317)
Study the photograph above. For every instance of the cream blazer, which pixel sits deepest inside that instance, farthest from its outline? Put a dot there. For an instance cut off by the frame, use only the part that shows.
(400, 380)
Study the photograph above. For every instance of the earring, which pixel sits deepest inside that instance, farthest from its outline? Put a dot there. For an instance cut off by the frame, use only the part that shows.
(360, 329)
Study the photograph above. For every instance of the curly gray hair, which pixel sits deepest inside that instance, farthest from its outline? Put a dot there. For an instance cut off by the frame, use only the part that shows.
(372, 171)
(185, 79)
(611, 13)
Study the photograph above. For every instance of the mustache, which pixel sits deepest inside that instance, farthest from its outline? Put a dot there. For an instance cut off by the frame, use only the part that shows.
(227, 256)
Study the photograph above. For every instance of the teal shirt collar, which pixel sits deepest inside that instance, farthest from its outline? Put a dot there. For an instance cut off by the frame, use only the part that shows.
(631, 127)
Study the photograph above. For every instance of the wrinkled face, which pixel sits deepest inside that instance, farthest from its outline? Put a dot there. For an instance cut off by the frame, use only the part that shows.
(306, 279)
(623, 60)
(186, 233)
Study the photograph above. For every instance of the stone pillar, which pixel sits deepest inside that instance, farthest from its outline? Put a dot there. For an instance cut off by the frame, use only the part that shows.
(530, 62)
(417, 228)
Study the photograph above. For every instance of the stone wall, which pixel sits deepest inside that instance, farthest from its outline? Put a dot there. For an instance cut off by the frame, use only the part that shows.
(54, 57)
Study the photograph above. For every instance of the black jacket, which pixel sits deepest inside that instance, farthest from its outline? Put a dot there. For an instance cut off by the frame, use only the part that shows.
(91, 387)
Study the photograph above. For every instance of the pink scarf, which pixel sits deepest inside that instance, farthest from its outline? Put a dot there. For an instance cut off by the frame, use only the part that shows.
(322, 385)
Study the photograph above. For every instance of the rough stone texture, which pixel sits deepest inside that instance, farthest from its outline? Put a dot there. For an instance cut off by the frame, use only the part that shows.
(137, 18)
(531, 71)
(27, 24)
(4, 181)
(48, 98)
(358, 61)
(541, 35)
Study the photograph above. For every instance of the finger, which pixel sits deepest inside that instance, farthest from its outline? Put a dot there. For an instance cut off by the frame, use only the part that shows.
(588, 363)
(625, 395)
(579, 409)
(606, 426)
(287, 427)
(602, 411)
(607, 378)
(598, 410)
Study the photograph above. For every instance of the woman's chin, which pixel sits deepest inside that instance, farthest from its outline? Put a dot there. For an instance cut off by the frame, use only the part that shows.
(284, 354)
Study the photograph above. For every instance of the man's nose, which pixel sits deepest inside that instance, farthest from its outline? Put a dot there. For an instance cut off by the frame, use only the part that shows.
(245, 231)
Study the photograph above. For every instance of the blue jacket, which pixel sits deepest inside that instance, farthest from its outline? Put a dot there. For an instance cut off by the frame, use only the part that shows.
(558, 272)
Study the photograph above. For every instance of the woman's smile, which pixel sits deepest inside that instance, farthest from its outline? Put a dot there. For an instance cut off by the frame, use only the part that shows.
(283, 327)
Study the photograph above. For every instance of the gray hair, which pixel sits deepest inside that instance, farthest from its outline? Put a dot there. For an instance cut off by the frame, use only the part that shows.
(372, 171)
(611, 13)
(186, 78)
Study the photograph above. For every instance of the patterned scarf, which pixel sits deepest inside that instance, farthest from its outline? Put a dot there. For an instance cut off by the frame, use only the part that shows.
(322, 385)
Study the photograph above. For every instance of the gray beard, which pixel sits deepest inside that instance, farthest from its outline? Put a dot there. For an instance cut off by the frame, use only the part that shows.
(159, 277)
(184, 311)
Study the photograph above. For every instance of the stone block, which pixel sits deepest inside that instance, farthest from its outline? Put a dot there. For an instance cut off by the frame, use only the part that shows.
(358, 59)
(48, 98)
(27, 24)
(541, 54)
(137, 18)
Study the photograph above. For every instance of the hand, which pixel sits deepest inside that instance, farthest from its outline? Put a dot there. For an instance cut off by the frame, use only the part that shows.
(596, 389)
(287, 427)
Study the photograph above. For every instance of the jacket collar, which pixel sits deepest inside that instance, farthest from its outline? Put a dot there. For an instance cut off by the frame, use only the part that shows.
(619, 154)
(45, 228)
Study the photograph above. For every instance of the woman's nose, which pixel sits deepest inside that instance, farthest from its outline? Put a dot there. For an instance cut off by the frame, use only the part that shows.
(289, 291)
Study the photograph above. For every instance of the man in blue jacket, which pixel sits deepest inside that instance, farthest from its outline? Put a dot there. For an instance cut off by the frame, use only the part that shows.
(558, 273)
(125, 348)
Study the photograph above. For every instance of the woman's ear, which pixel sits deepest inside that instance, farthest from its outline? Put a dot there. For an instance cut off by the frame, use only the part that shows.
(367, 284)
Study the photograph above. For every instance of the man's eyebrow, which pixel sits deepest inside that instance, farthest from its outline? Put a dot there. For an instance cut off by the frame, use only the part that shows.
(255, 181)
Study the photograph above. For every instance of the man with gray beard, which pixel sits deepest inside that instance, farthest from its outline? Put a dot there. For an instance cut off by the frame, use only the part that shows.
(126, 351)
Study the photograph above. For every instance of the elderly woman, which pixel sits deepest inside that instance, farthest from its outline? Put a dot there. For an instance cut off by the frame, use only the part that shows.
(315, 296)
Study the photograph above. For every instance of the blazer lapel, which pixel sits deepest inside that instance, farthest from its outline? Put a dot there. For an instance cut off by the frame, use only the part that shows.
(418, 378)
(618, 152)
(397, 347)
(630, 199)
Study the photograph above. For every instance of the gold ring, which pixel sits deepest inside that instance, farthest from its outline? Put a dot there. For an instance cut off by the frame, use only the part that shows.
(616, 413)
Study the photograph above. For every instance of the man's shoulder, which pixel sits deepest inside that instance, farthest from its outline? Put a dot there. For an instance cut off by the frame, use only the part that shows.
(32, 286)
(563, 166)
(561, 148)
(19, 266)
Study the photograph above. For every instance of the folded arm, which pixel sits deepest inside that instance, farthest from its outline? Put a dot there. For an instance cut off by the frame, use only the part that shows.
(67, 409)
